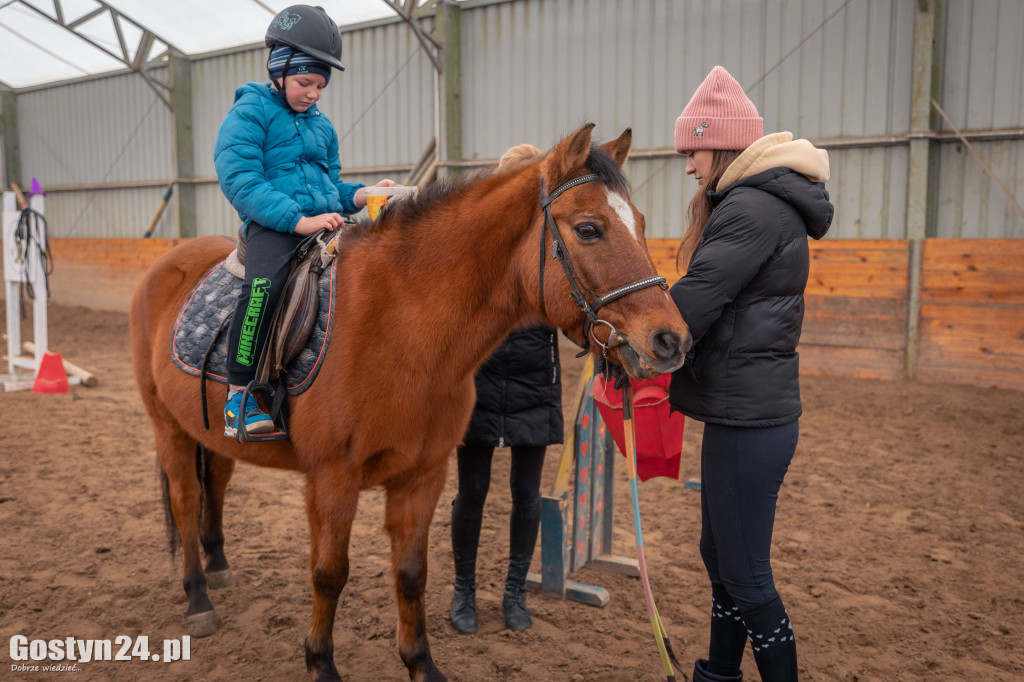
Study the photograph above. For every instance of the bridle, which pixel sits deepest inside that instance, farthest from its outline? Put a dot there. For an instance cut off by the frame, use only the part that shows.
(581, 295)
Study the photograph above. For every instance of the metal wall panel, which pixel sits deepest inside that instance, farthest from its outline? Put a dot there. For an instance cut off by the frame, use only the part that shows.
(215, 214)
(983, 66)
(214, 81)
(383, 104)
(876, 207)
(107, 213)
(106, 130)
(971, 204)
(869, 189)
(538, 68)
(982, 90)
(834, 71)
(661, 191)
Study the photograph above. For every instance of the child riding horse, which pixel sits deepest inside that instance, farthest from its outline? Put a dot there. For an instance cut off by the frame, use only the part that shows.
(424, 295)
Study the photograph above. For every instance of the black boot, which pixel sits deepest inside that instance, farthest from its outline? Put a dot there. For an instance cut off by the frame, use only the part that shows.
(465, 539)
(701, 674)
(523, 528)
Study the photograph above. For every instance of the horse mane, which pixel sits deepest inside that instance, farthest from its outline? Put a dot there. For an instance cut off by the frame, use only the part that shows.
(425, 201)
(600, 163)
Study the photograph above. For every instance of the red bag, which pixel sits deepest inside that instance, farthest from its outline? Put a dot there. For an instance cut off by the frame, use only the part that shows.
(659, 432)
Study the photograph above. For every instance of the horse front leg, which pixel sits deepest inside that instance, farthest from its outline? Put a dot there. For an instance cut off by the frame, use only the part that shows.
(179, 458)
(331, 501)
(410, 508)
(217, 472)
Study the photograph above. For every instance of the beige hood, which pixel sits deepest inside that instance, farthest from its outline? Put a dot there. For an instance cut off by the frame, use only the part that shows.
(778, 150)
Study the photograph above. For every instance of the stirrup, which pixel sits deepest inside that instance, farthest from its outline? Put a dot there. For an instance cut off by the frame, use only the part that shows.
(242, 434)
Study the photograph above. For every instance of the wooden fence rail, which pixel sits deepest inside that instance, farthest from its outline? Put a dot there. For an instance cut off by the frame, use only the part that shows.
(971, 324)
(970, 328)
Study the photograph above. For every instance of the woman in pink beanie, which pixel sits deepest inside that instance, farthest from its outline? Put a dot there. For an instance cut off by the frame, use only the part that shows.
(745, 258)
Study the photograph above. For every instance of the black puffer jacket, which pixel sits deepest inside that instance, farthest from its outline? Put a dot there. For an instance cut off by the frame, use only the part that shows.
(742, 298)
(519, 392)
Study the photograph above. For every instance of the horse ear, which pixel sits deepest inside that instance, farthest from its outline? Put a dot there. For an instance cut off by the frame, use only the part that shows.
(570, 154)
(619, 147)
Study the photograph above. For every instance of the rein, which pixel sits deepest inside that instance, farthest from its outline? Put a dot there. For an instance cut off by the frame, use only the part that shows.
(588, 302)
(668, 656)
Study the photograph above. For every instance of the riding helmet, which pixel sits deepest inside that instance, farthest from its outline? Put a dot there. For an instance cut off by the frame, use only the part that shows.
(307, 29)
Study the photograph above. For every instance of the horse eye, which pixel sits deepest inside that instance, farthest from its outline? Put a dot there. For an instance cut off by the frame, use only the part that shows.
(587, 231)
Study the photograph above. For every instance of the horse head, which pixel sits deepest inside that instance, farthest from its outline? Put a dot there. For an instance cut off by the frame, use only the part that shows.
(605, 292)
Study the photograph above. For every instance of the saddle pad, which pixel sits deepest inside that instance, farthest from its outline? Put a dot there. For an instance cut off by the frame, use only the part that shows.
(213, 300)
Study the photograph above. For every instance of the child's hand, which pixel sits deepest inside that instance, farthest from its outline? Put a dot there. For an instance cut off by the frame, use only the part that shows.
(308, 225)
(360, 196)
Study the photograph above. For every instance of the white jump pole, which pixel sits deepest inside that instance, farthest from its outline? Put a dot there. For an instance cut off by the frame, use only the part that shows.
(15, 266)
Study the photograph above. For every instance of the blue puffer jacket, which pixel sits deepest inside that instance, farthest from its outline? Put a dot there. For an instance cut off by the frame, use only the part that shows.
(276, 165)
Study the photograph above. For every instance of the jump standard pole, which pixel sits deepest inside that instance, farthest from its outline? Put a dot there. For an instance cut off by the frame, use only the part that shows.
(24, 266)
(569, 544)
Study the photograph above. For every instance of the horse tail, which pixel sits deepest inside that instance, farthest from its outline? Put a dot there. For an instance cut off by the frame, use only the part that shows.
(170, 525)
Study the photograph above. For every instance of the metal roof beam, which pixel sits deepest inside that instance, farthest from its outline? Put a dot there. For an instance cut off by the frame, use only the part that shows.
(125, 57)
(264, 6)
(137, 63)
(405, 9)
(80, 20)
(145, 45)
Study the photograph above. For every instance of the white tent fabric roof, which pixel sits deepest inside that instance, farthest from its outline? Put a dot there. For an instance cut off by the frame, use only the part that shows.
(35, 50)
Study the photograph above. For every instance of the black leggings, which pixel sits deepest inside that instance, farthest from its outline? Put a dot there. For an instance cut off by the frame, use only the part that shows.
(475, 474)
(741, 473)
(268, 257)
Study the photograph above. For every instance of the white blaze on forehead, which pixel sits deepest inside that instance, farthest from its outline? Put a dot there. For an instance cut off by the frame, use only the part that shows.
(624, 211)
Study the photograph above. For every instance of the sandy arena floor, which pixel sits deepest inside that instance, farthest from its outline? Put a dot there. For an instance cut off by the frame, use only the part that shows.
(898, 546)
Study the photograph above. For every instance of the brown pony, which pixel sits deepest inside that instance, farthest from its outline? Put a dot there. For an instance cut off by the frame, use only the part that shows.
(423, 296)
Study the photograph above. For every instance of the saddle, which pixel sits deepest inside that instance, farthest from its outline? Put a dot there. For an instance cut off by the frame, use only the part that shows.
(297, 338)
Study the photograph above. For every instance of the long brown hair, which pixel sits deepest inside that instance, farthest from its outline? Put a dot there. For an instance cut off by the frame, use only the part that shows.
(699, 212)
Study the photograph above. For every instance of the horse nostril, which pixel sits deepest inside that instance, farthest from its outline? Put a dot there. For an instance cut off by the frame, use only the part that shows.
(666, 344)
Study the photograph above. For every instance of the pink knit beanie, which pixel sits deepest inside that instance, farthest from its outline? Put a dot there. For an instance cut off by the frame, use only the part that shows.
(719, 116)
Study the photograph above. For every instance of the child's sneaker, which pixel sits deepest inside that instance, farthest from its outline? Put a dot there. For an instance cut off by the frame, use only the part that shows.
(256, 420)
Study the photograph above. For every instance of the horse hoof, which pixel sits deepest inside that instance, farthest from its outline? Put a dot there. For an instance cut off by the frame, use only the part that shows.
(429, 673)
(202, 624)
(327, 677)
(219, 579)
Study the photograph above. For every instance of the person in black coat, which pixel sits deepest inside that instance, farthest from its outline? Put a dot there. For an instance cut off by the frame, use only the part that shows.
(746, 258)
(519, 406)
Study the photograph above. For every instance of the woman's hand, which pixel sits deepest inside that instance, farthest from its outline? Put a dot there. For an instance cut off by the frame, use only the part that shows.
(308, 225)
(360, 197)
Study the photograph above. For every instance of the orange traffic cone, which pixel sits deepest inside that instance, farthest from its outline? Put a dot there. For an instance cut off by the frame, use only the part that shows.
(51, 377)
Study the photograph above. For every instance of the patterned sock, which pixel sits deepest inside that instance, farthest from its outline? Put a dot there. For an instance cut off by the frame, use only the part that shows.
(728, 635)
(771, 638)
